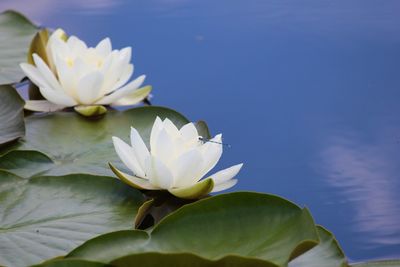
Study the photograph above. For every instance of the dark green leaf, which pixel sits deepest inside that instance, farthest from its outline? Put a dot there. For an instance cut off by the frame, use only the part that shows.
(45, 217)
(16, 33)
(11, 114)
(328, 253)
(252, 229)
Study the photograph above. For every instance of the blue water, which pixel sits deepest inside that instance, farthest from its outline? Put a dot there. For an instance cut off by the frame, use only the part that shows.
(306, 92)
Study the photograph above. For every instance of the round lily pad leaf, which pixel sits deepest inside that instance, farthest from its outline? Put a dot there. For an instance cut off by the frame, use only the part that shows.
(70, 263)
(75, 144)
(328, 253)
(26, 163)
(46, 217)
(11, 115)
(248, 229)
(16, 33)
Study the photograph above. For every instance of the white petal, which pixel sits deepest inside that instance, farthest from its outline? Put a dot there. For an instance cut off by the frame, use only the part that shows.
(47, 74)
(155, 131)
(133, 98)
(126, 74)
(42, 106)
(212, 152)
(187, 168)
(67, 77)
(104, 47)
(125, 55)
(164, 147)
(226, 174)
(89, 88)
(139, 147)
(127, 89)
(158, 174)
(59, 98)
(171, 128)
(127, 156)
(76, 45)
(34, 75)
(189, 134)
(224, 186)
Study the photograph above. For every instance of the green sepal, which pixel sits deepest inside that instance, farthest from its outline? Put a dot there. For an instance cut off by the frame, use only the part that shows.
(195, 191)
(91, 111)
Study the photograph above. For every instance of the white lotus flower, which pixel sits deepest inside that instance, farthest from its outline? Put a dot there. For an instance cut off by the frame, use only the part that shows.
(80, 76)
(177, 161)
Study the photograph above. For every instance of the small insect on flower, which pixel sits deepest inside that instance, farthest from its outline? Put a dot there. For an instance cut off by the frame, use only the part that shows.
(177, 161)
(71, 74)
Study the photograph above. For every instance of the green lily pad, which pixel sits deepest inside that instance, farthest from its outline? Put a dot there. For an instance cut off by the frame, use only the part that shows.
(248, 229)
(11, 114)
(16, 33)
(70, 143)
(46, 217)
(70, 263)
(328, 253)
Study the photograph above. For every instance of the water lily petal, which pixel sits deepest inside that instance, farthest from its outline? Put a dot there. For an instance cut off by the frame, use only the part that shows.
(67, 77)
(76, 46)
(89, 88)
(127, 156)
(42, 106)
(133, 98)
(125, 55)
(226, 174)
(195, 191)
(224, 186)
(59, 98)
(126, 74)
(103, 48)
(127, 89)
(34, 75)
(170, 127)
(155, 131)
(164, 147)
(187, 168)
(189, 134)
(158, 174)
(133, 181)
(46, 73)
(212, 152)
(141, 151)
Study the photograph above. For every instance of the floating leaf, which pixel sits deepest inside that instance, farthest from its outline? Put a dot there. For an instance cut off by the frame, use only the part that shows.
(75, 144)
(45, 217)
(16, 33)
(328, 253)
(11, 114)
(242, 229)
(70, 263)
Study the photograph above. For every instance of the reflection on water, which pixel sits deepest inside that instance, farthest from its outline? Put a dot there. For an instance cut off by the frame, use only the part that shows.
(367, 177)
(38, 9)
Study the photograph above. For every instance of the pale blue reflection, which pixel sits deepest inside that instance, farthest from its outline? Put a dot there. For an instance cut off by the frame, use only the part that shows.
(367, 177)
(40, 9)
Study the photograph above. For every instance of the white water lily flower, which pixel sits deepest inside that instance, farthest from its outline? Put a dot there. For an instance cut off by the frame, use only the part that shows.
(79, 76)
(177, 161)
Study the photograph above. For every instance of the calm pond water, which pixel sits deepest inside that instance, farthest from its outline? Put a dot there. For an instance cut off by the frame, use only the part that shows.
(306, 92)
